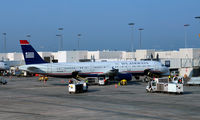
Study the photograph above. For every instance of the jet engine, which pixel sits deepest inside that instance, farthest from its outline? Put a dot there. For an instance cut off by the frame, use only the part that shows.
(122, 76)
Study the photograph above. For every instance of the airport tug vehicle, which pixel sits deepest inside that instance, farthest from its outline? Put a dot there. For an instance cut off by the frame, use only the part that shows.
(3, 81)
(166, 86)
(123, 82)
(77, 86)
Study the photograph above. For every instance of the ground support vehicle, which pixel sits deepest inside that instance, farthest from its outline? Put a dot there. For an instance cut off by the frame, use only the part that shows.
(123, 82)
(92, 80)
(3, 81)
(102, 81)
(193, 81)
(165, 87)
(76, 86)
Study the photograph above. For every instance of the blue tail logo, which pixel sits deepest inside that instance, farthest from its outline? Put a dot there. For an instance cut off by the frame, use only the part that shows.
(30, 55)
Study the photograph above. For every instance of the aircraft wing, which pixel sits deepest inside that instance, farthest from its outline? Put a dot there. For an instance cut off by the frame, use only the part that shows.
(112, 72)
(119, 75)
(35, 70)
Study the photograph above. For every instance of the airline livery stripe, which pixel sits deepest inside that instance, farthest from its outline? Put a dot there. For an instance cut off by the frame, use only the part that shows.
(71, 73)
(93, 73)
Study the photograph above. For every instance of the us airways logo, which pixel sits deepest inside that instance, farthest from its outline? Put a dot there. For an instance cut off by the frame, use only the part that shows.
(29, 54)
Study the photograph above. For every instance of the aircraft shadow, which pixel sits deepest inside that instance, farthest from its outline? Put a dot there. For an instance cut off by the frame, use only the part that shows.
(187, 93)
(59, 84)
(133, 83)
(92, 90)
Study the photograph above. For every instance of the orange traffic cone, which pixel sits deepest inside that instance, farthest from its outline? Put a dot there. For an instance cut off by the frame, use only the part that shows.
(115, 85)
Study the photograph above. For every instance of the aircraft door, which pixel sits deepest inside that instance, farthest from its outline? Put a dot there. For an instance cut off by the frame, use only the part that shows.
(49, 68)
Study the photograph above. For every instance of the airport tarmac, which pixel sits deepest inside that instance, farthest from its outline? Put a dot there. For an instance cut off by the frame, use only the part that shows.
(28, 99)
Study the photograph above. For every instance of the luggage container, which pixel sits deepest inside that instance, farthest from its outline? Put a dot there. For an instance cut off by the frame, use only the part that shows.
(92, 80)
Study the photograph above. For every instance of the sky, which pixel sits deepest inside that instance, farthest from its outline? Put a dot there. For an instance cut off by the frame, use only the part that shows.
(103, 24)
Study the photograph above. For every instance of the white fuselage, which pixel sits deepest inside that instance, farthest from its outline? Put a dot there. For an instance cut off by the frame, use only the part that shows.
(95, 68)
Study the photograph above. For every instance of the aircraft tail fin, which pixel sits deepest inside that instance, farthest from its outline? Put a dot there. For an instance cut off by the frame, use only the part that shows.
(30, 55)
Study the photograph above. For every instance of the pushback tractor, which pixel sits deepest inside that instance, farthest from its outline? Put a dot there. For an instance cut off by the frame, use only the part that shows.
(76, 86)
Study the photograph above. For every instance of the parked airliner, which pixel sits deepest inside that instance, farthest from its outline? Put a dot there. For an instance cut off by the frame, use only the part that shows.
(120, 69)
(3, 66)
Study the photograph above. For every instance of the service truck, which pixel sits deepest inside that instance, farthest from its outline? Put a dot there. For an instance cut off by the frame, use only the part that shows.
(76, 86)
(171, 86)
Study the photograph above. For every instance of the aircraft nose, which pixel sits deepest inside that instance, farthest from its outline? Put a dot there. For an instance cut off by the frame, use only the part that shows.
(5, 67)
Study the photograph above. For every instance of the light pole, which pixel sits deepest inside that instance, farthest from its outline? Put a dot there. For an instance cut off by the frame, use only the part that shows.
(140, 29)
(186, 25)
(61, 38)
(79, 37)
(4, 38)
(131, 25)
(198, 17)
(60, 46)
(28, 37)
(60, 28)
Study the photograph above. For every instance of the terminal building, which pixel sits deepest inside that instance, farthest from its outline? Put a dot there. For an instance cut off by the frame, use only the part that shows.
(184, 60)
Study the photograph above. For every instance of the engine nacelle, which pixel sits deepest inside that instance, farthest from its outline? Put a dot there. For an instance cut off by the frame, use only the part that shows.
(126, 76)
